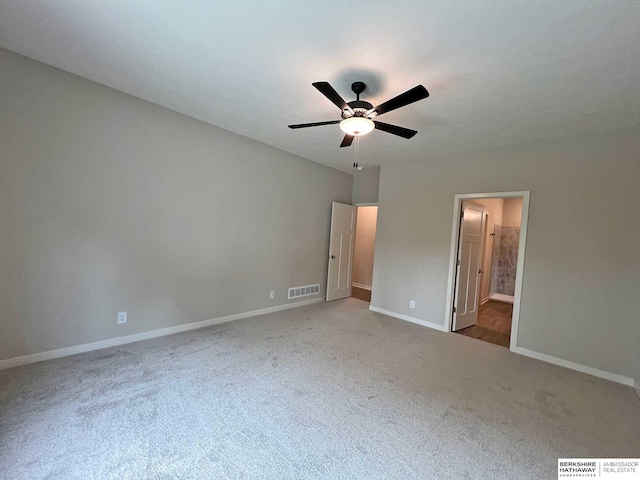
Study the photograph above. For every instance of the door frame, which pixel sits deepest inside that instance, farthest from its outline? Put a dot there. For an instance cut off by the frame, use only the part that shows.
(455, 233)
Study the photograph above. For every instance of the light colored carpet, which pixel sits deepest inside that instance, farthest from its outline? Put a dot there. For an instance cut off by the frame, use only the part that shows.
(328, 391)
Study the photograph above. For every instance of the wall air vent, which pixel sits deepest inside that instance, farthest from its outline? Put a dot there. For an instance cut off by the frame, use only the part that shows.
(305, 291)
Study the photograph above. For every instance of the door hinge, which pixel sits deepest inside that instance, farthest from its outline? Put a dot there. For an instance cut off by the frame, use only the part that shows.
(462, 214)
(454, 309)
(458, 262)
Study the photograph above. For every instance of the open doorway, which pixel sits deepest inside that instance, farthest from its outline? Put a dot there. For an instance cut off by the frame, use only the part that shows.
(361, 279)
(488, 257)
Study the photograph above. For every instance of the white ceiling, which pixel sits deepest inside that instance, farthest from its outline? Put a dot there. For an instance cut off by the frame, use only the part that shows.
(499, 72)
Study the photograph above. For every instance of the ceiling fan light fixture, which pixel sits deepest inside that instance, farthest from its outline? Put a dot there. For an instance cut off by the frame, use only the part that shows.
(356, 126)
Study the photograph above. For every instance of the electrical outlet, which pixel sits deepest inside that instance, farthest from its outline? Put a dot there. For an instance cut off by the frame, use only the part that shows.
(412, 304)
(272, 294)
(122, 317)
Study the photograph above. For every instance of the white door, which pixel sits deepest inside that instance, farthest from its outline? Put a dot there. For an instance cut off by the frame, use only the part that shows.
(343, 234)
(470, 251)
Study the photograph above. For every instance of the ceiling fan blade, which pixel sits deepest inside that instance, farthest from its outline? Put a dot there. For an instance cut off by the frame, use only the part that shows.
(395, 130)
(329, 92)
(347, 141)
(410, 96)
(316, 124)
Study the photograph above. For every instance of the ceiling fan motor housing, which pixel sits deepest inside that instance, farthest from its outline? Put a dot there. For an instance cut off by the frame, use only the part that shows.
(359, 107)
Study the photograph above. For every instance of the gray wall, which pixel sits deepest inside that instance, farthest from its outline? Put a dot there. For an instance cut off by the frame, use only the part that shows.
(637, 375)
(110, 203)
(637, 371)
(365, 185)
(581, 286)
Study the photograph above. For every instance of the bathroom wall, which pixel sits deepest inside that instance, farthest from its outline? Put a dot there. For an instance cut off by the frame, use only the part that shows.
(365, 244)
(504, 259)
(504, 256)
(493, 207)
(512, 212)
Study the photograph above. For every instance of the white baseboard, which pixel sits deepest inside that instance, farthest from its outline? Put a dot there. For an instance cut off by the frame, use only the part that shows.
(114, 342)
(407, 318)
(360, 285)
(485, 300)
(614, 377)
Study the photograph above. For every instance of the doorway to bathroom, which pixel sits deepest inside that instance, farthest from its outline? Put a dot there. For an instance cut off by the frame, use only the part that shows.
(488, 252)
(362, 277)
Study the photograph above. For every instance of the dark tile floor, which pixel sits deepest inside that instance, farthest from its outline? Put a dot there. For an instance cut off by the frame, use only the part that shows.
(494, 323)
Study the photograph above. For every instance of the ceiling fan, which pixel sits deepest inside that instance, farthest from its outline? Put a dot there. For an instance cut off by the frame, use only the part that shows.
(357, 116)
